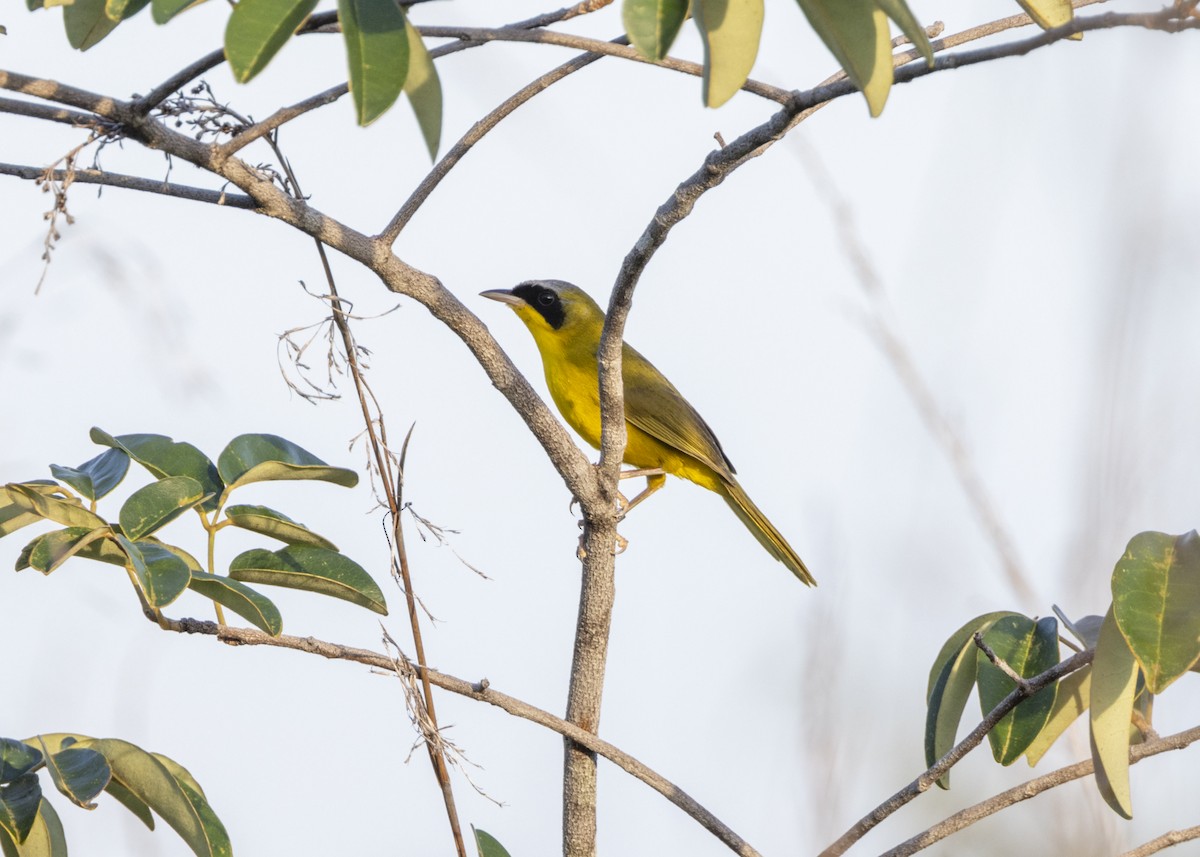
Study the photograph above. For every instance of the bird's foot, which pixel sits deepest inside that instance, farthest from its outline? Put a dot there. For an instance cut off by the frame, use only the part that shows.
(618, 549)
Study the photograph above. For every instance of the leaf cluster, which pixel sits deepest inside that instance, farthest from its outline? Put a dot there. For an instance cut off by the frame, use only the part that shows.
(1148, 638)
(81, 768)
(185, 479)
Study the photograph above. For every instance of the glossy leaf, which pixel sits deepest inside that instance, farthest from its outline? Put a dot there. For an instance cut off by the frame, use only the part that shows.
(268, 522)
(257, 29)
(857, 34)
(67, 511)
(164, 10)
(119, 10)
(19, 801)
(899, 12)
(950, 683)
(97, 476)
(730, 31)
(1156, 604)
(52, 549)
(157, 504)
(152, 783)
(1048, 13)
(1070, 701)
(45, 839)
(1030, 648)
(16, 759)
(487, 844)
(312, 569)
(86, 23)
(424, 90)
(252, 606)
(79, 773)
(161, 574)
(377, 51)
(652, 25)
(267, 457)
(1114, 683)
(164, 457)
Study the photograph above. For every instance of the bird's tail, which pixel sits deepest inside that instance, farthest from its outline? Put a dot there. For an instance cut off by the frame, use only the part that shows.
(756, 522)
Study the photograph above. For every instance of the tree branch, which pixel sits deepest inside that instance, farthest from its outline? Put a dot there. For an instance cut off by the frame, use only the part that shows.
(34, 110)
(102, 177)
(481, 692)
(926, 780)
(1173, 837)
(142, 105)
(1036, 786)
(250, 133)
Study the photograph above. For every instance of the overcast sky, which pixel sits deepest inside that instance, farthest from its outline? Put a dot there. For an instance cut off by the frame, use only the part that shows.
(1032, 225)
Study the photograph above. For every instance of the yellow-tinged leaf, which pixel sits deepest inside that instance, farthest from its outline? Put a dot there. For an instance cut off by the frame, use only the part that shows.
(1114, 682)
(1071, 701)
(730, 31)
(1048, 13)
(857, 34)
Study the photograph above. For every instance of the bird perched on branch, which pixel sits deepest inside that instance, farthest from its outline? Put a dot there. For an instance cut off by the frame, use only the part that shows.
(664, 432)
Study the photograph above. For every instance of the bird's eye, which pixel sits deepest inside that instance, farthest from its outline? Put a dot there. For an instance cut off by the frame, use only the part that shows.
(546, 298)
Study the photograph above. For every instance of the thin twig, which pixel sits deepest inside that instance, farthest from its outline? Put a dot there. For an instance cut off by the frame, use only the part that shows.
(481, 692)
(1034, 787)
(250, 133)
(108, 179)
(940, 768)
(142, 105)
(1002, 665)
(1173, 837)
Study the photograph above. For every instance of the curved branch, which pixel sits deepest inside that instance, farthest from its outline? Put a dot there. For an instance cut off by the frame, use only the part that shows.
(102, 177)
(142, 105)
(250, 133)
(481, 692)
(1036, 786)
(61, 93)
(924, 782)
(16, 107)
(1173, 837)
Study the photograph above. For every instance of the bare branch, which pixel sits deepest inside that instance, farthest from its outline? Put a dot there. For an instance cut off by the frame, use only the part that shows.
(926, 780)
(1002, 665)
(142, 105)
(1036, 786)
(102, 177)
(60, 93)
(282, 116)
(1173, 837)
(50, 114)
(481, 692)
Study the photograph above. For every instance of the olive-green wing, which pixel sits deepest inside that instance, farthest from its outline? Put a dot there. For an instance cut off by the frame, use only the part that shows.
(654, 405)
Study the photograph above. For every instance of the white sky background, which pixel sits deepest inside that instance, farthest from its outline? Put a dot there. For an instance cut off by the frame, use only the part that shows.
(1033, 222)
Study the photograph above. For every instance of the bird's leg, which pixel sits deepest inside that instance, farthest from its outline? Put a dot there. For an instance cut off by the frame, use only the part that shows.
(656, 478)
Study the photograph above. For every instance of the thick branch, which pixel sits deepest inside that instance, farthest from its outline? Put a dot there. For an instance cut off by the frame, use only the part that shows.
(1036, 786)
(481, 692)
(34, 110)
(102, 177)
(924, 782)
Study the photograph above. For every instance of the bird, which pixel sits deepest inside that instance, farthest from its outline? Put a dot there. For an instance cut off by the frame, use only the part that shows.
(664, 433)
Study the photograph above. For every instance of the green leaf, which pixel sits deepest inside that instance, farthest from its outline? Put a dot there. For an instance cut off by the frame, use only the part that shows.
(730, 31)
(1030, 648)
(950, 683)
(1086, 629)
(1048, 13)
(50, 550)
(96, 477)
(1070, 702)
(267, 457)
(153, 784)
(157, 504)
(46, 838)
(856, 33)
(79, 773)
(1156, 604)
(181, 774)
(164, 457)
(377, 51)
(241, 599)
(268, 522)
(119, 10)
(424, 90)
(1114, 683)
(164, 10)
(161, 574)
(899, 12)
(55, 506)
(19, 801)
(312, 569)
(652, 25)
(13, 516)
(257, 29)
(131, 802)
(487, 844)
(86, 23)
(16, 759)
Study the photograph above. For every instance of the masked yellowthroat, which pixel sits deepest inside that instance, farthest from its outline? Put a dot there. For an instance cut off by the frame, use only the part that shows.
(664, 432)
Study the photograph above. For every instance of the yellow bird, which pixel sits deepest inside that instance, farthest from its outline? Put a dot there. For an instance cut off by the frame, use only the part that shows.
(665, 434)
